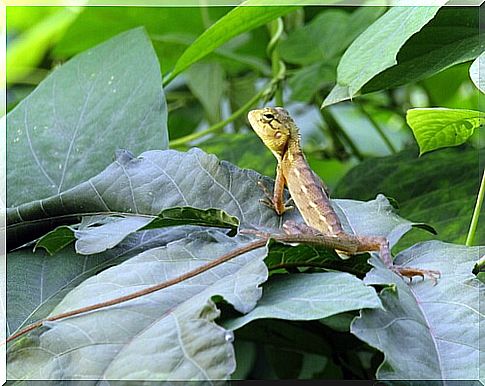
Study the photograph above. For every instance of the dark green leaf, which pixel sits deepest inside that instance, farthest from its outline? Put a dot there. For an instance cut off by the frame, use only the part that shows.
(452, 37)
(56, 240)
(193, 216)
(438, 188)
(439, 127)
(107, 98)
(376, 49)
(440, 323)
(243, 18)
(317, 41)
(206, 81)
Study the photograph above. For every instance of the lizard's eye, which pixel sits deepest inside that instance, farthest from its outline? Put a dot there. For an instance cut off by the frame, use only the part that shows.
(268, 116)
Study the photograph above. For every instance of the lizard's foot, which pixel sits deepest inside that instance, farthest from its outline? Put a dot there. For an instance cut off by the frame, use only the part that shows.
(411, 272)
(270, 203)
(381, 244)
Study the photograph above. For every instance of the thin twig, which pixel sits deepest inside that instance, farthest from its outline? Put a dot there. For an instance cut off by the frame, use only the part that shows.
(219, 125)
(476, 213)
(379, 130)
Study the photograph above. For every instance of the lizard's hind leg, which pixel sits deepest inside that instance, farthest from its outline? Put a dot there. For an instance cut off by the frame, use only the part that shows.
(381, 244)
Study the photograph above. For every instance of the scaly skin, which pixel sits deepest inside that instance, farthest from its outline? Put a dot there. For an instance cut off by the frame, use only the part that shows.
(280, 134)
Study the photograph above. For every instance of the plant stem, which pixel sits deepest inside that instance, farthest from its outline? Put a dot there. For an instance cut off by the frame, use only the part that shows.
(219, 125)
(379, 130)
(276, 28)
(476, 213)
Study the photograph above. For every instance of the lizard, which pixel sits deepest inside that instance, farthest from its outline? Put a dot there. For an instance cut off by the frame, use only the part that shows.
(281, 135)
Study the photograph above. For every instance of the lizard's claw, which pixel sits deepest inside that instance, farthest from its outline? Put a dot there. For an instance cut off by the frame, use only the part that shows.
(410, 272)
(268, 200)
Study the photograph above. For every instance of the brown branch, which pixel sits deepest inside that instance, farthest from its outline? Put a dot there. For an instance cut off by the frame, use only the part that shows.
(327, 241)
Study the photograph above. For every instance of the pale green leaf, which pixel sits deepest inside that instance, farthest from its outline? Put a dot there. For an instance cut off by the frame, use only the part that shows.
(309, 297)
(377, 47)
(435, 128)
(477, 72)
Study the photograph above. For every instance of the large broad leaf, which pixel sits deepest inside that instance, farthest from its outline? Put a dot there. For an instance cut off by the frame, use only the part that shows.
(452, 37)
(172, 329)
(438, 188)
(439, 127)
(309, 297)
(426, 331)
(243, 18)
(377, 47)
(106, 98)
(37, 282)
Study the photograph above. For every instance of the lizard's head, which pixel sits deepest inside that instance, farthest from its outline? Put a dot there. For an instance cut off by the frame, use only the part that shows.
(275, 127)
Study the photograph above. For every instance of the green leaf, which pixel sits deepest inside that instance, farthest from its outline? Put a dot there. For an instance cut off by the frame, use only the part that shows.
(309, 297)
(193, 216)
(111, 93)
(435, 128)
(452, 37)
(319, 40)
(146, 185)
(56, 240)
(438, 188)
(308, 80)
(206, 81)
(477, 68)
(438, 326)
(180, 317)
(377, 47)
(243, 18)
(26, 51)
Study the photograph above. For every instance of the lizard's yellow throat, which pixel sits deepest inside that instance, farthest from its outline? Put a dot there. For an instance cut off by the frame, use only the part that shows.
(272, 126)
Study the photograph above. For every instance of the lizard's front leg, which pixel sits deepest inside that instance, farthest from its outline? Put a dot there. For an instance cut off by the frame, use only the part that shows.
(276, 201)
